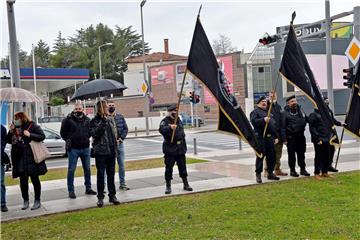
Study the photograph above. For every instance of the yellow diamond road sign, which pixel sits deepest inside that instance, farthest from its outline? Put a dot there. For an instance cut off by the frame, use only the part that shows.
(144, 88)
(353, 51)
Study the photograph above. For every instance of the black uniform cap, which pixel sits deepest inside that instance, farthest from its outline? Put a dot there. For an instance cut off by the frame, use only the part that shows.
(289, 98)
(171, 108)
(260, 99)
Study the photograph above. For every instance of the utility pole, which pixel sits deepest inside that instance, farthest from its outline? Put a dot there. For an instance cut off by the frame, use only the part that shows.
(14, 50)
(330, 90)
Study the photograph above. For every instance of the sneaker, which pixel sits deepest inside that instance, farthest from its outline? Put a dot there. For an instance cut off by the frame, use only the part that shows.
(317, 177)
(90, 192)
(332, 169)
(4, 208)
(72, 195)
(326, 175)
(114, 200)
(124, 187)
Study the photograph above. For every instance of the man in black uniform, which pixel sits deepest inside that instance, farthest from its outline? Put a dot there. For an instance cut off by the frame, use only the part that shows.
(276, 112)
(259, 118)
(293, 124)
(320, 137)
(174, 151)
(332, 148)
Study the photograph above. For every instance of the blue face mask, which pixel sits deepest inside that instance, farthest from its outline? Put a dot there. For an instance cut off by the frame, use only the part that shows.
(17, 123)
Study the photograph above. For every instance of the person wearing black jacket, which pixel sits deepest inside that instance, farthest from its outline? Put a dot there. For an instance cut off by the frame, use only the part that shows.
(105, 150)
(332, 148)
(4, 160)
(276, 111)
(21, 133)
(75, 130)
(259, 118)
(293, 124)
(320, 137)
(174, 152)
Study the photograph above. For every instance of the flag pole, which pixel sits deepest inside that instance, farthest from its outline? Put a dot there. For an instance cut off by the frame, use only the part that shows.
(178, 106)
(271, 103)
(338, 153)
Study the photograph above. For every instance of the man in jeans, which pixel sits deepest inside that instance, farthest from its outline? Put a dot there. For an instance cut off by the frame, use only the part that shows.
(75, 130)
(122, 131)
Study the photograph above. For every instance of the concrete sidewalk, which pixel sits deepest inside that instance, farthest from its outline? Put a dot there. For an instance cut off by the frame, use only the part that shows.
(225, 169)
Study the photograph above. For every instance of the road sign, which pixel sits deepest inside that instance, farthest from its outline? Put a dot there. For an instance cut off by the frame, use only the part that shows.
(144, 88)
(353, 51)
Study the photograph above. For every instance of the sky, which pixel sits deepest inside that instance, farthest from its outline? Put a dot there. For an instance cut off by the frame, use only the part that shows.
(244, 22)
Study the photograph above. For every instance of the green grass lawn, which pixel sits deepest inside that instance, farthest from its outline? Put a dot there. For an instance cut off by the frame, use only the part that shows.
(297, 209)
(60, 173)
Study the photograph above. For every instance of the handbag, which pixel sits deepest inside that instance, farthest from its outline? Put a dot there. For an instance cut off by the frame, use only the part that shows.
(40, 151)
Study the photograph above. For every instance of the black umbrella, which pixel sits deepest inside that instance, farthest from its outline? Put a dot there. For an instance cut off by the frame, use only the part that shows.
(98, 88)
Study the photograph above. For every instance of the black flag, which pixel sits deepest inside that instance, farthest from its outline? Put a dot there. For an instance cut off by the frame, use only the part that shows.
(203, 65)
(353, 116)
(295, 68)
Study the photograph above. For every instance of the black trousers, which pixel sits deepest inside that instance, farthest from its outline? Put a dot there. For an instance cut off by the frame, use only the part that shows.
(268, 148)
(170, 161)
(322, 153)
(296, 148)
(24, 186)
(105, 163)
(331, 157)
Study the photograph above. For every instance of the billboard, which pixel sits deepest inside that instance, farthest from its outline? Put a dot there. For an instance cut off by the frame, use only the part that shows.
(226, 64)
(162, 74)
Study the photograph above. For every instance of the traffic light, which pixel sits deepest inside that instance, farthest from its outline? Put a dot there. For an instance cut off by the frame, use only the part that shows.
(349, 77)
(197, 98)
(192, 97)
(269, 39)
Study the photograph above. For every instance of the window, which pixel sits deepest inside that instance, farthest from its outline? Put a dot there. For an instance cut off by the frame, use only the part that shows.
(260, 69)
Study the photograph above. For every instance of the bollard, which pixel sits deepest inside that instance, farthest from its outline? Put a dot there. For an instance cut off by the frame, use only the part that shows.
(240, 145)
(135, 131)
(195, 149)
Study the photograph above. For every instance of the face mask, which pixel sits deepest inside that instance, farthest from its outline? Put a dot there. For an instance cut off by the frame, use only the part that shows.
(111, 109)
(17, 123)
(173, 115)
(78, 114)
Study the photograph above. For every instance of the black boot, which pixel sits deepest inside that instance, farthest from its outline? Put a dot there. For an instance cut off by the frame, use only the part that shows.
(25, 205)
(186, 185)
(272, 176)
(36, 205)
(100, 202)
(304, 173)
(114, 200)
(293, 173)
(168, 187)
(258, 178)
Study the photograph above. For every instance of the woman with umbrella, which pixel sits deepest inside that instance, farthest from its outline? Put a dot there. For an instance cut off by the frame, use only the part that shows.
(104, 149)
(21, 133)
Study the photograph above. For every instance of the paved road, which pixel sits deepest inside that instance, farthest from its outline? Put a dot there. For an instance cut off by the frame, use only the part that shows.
(139, 148)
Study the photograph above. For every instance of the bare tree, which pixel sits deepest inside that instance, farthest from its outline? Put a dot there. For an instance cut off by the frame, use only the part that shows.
(222, 45)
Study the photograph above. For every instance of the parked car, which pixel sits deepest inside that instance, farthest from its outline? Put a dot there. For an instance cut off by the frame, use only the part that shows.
(187, 119)
(50, 119)
(53, 142)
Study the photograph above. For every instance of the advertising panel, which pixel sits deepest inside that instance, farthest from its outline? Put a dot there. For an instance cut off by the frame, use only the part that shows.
(162, 74)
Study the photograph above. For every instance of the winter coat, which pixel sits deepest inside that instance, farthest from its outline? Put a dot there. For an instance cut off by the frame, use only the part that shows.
(21, 154)
(4, 156)
(76, 130)
(178, 146)
(276, 112)
(257, 120)
(336, 122)
(121, 126)
(318, 129)
(103, 137)
(293, 123)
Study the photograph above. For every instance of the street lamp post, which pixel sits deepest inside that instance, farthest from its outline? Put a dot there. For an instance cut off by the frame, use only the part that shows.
(105, 44)
(146, 107)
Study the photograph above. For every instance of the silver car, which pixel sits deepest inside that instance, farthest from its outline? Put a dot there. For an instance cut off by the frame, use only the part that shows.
(53, 142)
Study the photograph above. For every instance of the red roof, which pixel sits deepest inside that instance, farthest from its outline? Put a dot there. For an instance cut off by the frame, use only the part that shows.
(156, 57)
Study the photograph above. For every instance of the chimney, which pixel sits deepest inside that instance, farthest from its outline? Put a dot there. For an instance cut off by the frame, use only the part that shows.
(166, 47)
